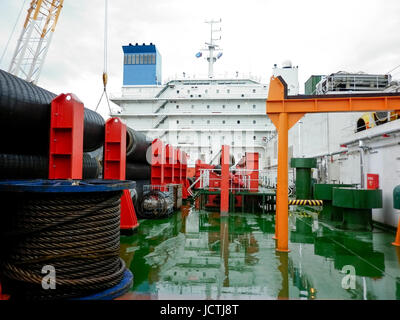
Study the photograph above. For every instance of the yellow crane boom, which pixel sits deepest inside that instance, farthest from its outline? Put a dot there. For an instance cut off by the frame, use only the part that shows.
(35, 39)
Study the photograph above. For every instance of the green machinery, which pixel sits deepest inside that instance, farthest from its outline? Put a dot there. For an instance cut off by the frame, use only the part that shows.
(325, 192)
(396, 197)
(357, 205)
(303, 176)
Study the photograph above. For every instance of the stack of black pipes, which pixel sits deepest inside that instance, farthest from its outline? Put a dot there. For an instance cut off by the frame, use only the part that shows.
(25, 131)
(138, 159)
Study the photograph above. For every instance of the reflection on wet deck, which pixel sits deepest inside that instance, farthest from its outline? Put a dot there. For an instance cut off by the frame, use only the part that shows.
(201, 255)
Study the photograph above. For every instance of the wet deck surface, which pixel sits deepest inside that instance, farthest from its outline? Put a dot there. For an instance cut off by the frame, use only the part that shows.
(201, 255)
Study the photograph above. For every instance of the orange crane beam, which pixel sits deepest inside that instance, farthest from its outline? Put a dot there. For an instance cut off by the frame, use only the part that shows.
(284, 111)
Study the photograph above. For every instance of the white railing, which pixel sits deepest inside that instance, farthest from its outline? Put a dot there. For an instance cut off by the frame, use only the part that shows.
(243, 177)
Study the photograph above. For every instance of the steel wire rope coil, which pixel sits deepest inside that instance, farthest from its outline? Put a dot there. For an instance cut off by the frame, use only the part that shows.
(77, 234)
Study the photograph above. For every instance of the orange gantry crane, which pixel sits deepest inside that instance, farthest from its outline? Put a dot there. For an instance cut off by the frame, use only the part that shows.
(35, 39)
(284, 111)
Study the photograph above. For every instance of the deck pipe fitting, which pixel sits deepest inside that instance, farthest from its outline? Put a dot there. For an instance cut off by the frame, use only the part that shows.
(357, 205)
(303, 176)
(324, 192)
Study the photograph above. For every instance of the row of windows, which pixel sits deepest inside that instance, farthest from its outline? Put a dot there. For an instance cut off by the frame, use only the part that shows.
(223, 122)
(223, 106)
(217, 91)
(142, 58)
(223, 138)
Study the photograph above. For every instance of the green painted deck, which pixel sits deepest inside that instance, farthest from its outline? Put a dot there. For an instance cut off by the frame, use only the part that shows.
(200, 255)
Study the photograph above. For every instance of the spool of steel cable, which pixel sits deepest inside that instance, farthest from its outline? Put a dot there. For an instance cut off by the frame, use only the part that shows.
(70, 226)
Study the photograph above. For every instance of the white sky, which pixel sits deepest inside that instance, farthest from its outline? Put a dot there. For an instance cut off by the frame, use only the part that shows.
(319, 36)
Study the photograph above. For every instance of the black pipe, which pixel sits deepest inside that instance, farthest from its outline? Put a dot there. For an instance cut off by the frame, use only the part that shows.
(15, 166)
(136, 146)
(25, 118)
(137, 171)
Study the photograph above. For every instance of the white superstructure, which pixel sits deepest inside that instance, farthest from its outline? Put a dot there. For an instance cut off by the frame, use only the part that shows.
(199, 115)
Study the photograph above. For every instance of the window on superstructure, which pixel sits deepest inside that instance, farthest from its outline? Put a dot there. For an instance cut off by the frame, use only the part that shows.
(206, 91)
(208, 106)
(209, 137)
(254, 121)
(126, 59)
(223, 106)
(192, 106)
(177, 107)
(223, 121)
(141, 59)
(217, 91)
(192, 121)
(145, 59)
(228, 91)
(254, 106)
(177, 121)
(188, 91)
(254, 137)
(208, 121)
(177, 91)
(153, 58)
(254, 90)
(242, 95)
(238, 122)
(238, 106)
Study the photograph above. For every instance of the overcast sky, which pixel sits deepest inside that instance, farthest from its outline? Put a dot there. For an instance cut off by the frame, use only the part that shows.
(319, 36)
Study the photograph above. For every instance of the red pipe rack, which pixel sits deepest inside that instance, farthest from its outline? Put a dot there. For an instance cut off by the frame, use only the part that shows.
(114, 168)
(66, 137)
(168, 166)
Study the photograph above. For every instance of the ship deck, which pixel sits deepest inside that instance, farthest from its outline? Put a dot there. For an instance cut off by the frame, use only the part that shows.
(196, 254)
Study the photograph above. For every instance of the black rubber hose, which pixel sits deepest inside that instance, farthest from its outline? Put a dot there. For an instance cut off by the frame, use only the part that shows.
(16, 166)
(137, 145)
(138, 171)
(78, 234)
(25, 118)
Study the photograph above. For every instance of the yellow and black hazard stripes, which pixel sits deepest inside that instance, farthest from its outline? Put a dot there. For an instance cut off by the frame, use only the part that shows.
(306, 202)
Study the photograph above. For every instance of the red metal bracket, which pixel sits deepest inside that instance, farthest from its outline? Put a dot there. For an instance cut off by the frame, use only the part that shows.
(225, 180)
(157, 163)
(3, 296)
(114, 168)
(66, 137)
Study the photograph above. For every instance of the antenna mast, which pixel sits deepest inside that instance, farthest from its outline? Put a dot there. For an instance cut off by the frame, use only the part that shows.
(212, 47)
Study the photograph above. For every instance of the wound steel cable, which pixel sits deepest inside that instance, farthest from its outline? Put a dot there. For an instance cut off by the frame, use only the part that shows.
(78, 234)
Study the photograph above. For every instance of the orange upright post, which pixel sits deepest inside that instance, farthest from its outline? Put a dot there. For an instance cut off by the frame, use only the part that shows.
(397, 241)
(284, 111)
(225, 180)
(282, 188)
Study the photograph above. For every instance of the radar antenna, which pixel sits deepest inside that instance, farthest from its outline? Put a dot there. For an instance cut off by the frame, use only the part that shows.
(212, 47)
